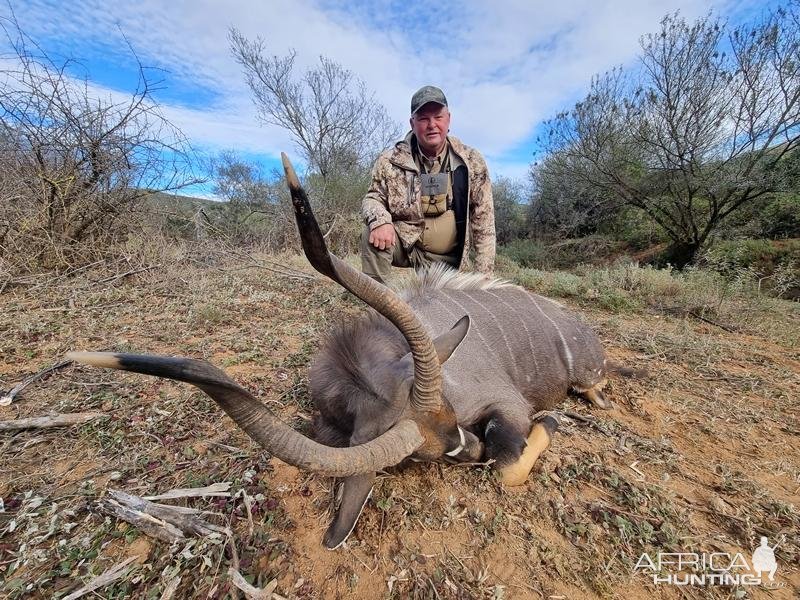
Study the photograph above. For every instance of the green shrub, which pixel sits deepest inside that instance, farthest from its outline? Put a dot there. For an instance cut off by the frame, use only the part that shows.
(635, 228)
(525, 253)
(695, 292)
(531, 279)
(781, 217)
(769, 266)
(566, 285)
(560, 255)
(617, 301)
(729, 256)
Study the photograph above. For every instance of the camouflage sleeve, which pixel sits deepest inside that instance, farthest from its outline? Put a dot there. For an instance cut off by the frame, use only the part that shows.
(481, 207)
(374, 207)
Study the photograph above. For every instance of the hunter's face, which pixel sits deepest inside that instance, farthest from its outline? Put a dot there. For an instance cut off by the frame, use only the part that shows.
(430, 125)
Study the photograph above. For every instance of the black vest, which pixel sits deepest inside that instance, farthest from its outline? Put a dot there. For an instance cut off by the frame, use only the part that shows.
(460, 206)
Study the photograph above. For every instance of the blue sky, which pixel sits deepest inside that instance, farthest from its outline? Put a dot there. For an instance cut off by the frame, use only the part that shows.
(505, 66)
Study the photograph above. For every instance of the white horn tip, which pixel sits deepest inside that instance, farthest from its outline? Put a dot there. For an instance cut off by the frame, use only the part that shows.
(291, 176)
(96, 359)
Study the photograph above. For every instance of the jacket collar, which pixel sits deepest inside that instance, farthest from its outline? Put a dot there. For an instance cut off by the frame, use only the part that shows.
(401, 154)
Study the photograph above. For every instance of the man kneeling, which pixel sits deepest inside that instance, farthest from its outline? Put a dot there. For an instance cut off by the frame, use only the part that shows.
(430, 198)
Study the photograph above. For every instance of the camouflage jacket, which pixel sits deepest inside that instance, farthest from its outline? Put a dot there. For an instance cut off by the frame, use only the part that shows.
(394, 197)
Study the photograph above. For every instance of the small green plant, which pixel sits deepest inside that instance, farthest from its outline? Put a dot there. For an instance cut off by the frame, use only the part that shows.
(209, 314)
(616, 301)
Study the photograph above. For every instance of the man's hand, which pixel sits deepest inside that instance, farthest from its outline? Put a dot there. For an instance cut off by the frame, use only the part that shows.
(382, 236)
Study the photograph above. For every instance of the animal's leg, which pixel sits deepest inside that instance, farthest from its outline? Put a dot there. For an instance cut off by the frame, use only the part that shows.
(356, 490)
(505, 438)
(595, 395)
(538, 441)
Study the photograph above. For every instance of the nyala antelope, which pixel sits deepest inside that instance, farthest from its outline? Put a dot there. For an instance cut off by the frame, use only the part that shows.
(455, 366)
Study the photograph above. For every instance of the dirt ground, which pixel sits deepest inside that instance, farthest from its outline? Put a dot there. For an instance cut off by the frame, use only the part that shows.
(701, 457)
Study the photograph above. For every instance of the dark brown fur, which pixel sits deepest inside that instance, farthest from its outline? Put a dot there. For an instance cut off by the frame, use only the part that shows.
(349, 380)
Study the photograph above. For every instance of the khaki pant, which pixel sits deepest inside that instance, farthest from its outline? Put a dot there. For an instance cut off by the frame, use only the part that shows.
(378, 263)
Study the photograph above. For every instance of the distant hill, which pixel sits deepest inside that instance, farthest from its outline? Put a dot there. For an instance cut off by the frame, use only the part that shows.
(178, 202)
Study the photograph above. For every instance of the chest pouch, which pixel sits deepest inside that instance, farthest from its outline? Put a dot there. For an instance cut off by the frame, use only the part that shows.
(439, 235)
(434, 188)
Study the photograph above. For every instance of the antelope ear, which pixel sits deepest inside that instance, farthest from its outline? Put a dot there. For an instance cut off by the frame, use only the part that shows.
(356, 490)
(446, 343)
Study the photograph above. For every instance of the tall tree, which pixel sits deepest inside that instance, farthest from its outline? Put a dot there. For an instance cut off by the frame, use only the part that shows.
(335, 121)
(508, 210)
(695, 134)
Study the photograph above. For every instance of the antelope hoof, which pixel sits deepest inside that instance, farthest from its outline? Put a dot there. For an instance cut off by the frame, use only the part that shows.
(538, 441)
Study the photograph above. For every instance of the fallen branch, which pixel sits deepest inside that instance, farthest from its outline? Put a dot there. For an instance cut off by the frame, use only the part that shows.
(579, 417)
(453, 463)
(64, 420)
(710, 322)
(680, 311)
(252, 592)
(586, 420)
(149, 525)
(185, 522)
(121, 275)
(116, 572)
(9, 397)
(216, 489)
(166, 523)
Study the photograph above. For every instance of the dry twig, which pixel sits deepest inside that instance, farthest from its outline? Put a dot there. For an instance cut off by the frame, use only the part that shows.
(710, 322)
(161, 521)
(170, 588)
(64, 420)
(118, 571)
(132, 272)
(216, 489)
(147, 524)
(9, 397)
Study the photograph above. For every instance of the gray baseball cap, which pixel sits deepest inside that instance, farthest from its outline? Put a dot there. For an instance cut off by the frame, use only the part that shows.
(427, 94)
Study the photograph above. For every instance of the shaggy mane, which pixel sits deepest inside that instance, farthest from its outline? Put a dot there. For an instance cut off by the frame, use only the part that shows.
(351, 347)
(441, 276)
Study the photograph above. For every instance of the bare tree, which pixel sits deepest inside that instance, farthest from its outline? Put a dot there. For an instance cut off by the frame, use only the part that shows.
(335, 122)
(698, 132)
(72, 163)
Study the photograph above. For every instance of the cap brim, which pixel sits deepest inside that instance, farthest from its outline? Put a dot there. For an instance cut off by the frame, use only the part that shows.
(429, 102)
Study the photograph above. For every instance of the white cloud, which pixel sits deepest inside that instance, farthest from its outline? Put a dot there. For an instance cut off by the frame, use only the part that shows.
(228, 127)
(504, 66)
(516, 170)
